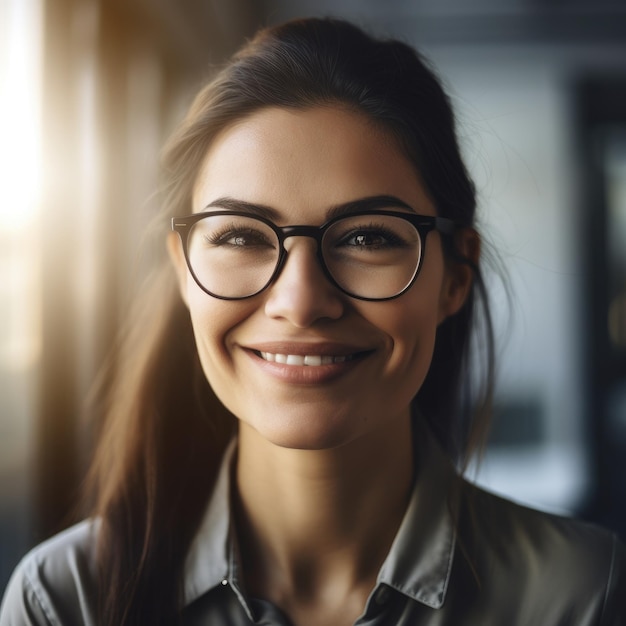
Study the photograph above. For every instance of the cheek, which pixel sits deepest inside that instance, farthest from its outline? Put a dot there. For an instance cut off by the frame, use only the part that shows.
(410, 324)
(414, 352)
(410, 327)
(212, 322)
(413, 336)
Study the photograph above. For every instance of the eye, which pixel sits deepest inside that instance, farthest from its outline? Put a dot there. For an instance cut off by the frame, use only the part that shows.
(237, 237)
(371, 237)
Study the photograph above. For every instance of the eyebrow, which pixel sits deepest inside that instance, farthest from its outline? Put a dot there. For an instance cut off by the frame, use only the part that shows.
(370, 203)
(233, 204)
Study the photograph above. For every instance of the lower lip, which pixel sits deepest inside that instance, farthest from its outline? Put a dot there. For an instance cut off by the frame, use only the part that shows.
(305, 374)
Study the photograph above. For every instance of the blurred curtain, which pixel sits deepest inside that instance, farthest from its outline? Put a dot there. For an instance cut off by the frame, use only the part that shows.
(116, 76)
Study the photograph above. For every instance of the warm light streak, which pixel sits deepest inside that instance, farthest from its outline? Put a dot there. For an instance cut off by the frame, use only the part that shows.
(20, 81)
(20, 182)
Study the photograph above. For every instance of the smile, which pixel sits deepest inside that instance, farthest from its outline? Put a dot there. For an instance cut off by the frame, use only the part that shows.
(313, 360)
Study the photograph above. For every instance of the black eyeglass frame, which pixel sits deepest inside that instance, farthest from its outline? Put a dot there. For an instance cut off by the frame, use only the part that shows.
(422, 223)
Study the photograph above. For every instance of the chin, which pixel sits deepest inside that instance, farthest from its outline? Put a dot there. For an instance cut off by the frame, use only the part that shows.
(304, 433)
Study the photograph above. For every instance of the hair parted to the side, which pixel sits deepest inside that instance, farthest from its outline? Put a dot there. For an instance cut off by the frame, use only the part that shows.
(164, 430)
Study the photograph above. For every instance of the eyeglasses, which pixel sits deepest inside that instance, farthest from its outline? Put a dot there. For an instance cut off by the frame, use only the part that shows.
(369, 255)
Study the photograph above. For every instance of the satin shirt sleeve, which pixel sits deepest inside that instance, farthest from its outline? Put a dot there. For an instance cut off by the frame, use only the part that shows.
(53, 584)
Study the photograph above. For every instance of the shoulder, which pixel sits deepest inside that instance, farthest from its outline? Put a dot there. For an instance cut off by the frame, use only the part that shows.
(54, 582)
(553, 560)
(513, 528)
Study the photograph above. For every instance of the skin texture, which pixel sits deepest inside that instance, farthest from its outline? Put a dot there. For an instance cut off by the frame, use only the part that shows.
(329, 446)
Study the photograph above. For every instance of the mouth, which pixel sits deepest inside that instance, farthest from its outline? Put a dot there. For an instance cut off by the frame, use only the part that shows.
(298, 363)
(310, 360)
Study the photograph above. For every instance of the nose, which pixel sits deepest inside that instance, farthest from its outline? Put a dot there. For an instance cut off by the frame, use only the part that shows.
(302, 294)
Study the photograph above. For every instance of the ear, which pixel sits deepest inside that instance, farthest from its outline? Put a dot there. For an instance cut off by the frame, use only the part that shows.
(459, 277)
(177, 257)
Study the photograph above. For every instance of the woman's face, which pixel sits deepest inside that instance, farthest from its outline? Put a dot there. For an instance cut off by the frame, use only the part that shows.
(301, 163)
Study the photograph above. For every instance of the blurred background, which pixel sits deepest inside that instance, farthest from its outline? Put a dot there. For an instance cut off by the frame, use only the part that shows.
(89, 90)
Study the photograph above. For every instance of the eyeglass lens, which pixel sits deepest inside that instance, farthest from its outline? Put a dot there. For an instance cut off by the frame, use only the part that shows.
(368, 256)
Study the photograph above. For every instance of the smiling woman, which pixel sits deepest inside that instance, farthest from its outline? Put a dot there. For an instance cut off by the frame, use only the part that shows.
(380, 348)
(281, 444)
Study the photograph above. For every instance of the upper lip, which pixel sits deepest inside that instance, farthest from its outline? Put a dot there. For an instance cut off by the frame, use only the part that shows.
(308, 349)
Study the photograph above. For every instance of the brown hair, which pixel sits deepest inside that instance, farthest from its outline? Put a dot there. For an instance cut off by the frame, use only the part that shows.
(164, 431)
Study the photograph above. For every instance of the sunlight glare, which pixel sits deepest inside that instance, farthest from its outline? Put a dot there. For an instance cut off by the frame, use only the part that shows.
(20, 80)
(20, 182)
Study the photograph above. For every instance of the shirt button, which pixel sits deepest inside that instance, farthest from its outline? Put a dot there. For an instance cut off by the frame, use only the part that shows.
(224, 582)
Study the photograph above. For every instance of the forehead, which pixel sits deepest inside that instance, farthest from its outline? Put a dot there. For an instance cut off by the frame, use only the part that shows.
(302, 161)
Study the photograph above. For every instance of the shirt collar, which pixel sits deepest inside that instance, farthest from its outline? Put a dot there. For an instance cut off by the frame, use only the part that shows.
(418, 564)
(209, 557)
(420, 560)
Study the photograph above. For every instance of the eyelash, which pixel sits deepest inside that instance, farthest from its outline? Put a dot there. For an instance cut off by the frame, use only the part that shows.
(231, 231)
(376, 229)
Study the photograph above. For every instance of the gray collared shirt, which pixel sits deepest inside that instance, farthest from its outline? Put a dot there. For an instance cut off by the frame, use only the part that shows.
(461, 556)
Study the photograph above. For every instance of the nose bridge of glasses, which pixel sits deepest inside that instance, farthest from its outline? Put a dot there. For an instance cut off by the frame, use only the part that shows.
(308, 232)
(312, 232)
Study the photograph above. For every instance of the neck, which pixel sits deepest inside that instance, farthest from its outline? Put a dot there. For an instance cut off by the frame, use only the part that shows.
(314, 519)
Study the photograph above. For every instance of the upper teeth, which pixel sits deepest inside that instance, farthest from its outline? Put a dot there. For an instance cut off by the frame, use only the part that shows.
(299, 359)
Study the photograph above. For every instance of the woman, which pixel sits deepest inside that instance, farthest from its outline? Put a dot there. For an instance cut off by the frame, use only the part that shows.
(322, 283)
